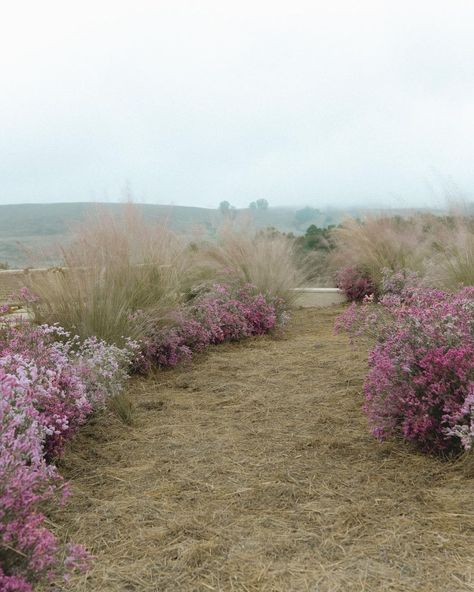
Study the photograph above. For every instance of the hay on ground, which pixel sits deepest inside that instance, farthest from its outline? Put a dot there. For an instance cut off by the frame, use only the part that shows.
(253, 470)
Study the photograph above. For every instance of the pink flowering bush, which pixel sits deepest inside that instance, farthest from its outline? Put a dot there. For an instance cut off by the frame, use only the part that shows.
(399, 283)
(49, 383)
(102, 367)
(40, 364)
(68, 378)
(420, 384)
(355, 283)
(214, 315)
(29, 552)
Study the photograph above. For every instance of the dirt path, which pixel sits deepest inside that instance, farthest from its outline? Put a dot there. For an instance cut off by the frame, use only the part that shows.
(253, 470)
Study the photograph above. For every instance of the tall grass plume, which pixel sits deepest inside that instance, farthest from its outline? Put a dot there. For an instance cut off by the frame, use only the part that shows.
(265, 259)
(115, 267)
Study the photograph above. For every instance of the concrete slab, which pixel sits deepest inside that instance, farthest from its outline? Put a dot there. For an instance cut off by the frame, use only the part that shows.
(319, 297)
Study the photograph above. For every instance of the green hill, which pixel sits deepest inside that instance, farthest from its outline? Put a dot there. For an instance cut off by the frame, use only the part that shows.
(29, 231)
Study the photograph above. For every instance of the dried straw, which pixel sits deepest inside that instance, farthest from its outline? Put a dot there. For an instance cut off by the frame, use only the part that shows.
(253, 471)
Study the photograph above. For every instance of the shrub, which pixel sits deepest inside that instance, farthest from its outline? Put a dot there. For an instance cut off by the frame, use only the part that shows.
(29, 552)
(421, 372)
(317, 239)
(265, 260)
(68, 378)
(216, 314)
(355, 283)
(453, 259)
(31, 354)
(103, 368)
(399, 283)
(114, 267)
(49, 383)
(438, 248)
(381, 242)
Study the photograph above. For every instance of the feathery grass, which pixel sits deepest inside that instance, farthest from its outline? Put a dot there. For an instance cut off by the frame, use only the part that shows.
(265, 259)
(115, 267)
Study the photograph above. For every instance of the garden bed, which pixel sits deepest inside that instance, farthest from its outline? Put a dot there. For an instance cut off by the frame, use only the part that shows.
(254, 470)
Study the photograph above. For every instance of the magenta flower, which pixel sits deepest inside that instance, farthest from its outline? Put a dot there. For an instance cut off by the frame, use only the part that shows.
(420, 384)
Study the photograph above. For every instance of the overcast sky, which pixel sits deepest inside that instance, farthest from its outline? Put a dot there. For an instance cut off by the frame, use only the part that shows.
(299, 102)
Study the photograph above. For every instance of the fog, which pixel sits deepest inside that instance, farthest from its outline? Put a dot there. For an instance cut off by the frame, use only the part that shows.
(190, 103)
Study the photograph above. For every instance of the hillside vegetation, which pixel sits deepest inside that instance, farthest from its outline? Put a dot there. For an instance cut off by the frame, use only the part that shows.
(30, 232)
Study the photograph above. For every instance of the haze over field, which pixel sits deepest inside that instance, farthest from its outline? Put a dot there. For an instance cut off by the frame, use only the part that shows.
(320, 103)
(29, 233)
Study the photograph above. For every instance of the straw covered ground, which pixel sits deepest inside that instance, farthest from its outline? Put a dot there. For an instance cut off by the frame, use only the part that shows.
(252, 470)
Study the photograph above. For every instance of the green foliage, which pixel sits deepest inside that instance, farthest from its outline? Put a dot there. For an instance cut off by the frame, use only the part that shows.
(262, 204)
(259, 204)
(29, 233)
(318, 239)
(228, 210)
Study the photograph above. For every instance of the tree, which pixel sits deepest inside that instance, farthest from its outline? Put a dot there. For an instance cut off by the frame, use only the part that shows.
(262, 204)
(253, 205)
(224, 207)
(318, 239)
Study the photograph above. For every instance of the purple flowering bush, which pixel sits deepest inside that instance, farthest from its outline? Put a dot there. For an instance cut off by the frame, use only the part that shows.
(49, 383)
(355, 283)
(420, 384)
(399, 283)
(31, 354)
(29, 552)
(215, 314)
(68, 379)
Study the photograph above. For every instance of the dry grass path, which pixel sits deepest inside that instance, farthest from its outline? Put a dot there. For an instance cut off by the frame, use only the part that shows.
(253, 471)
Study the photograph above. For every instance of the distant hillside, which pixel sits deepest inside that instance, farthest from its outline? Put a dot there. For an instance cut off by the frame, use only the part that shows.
(27, 231)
